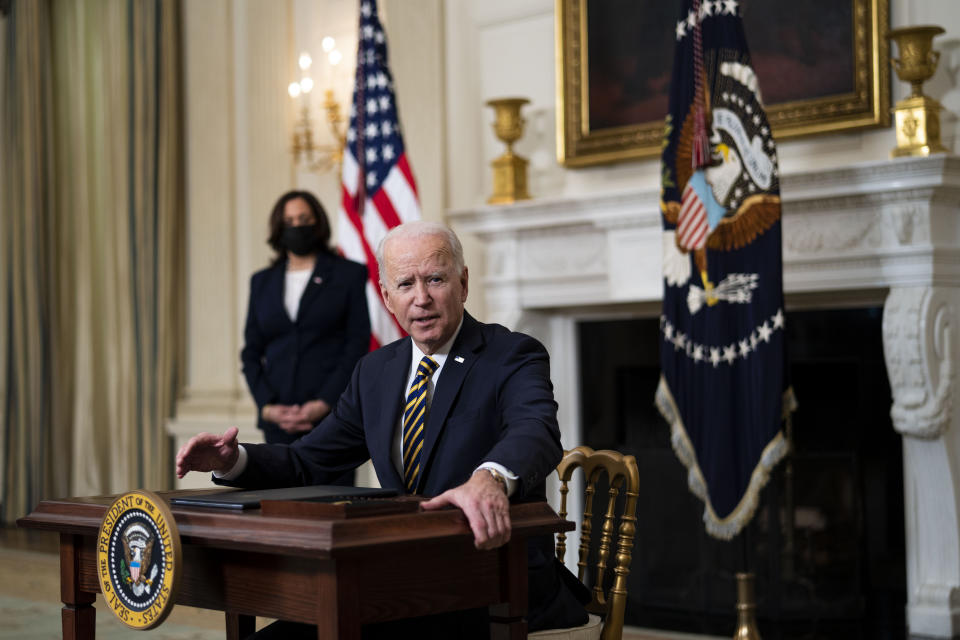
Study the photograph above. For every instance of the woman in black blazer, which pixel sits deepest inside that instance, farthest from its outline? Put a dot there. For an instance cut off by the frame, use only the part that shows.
(307, 323)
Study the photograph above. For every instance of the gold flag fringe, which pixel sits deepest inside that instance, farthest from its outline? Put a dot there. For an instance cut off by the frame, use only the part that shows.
(727, 527)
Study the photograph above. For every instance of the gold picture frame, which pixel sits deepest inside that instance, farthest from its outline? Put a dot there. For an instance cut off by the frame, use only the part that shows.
(864, 103)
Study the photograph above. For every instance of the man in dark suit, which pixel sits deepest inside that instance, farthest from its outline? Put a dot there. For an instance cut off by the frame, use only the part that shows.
(462, 411)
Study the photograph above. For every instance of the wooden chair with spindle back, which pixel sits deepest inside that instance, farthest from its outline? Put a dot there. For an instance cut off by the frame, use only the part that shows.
(606, 608)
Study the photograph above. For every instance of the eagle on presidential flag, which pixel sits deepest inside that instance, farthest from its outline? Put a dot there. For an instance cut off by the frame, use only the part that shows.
(723, 387)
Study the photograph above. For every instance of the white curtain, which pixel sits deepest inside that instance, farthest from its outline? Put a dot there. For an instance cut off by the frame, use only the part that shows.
(92, 223)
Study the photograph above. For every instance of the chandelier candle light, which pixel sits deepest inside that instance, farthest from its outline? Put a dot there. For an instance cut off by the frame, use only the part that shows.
(317, 157)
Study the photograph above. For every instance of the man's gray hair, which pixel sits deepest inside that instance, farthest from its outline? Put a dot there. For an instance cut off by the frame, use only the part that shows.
(421, 229)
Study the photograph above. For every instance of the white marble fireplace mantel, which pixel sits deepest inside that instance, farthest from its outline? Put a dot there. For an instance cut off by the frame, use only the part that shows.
(874, 233)
(869, 226)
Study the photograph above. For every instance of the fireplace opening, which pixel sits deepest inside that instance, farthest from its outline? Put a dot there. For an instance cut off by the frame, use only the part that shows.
(827, 541)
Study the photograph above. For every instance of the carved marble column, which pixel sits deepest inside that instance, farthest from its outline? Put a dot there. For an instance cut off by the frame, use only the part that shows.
(237, 163)
(920, 341)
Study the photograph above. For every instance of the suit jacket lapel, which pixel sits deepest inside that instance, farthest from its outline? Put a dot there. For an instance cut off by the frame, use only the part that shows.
(391, 382)
(463, 355)
(322, 274)
(276, 279)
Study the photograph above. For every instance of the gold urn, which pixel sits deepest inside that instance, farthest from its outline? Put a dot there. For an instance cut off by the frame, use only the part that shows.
(917, 115)
(509, 170)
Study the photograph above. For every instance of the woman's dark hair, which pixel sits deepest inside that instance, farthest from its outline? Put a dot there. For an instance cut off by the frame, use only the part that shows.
(276, 224)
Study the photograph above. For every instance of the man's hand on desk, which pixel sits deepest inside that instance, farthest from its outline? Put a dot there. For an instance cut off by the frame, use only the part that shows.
(483, 501)
(209, 452)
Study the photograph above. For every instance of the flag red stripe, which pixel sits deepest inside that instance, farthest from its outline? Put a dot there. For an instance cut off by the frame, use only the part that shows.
(692, 239)
(695, 218)
(687, 224)
(357, 223)
(373, 269)
(692, 226)
(385, 208)
(696, 241)
(694, 230)
(407, 173)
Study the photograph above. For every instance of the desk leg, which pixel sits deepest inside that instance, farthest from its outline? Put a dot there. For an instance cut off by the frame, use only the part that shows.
(240, 626)
(78, 615)
(507, 620)
(338, 604)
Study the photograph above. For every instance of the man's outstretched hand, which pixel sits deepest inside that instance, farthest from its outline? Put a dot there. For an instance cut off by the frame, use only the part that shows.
(482, 500)
(209, 452)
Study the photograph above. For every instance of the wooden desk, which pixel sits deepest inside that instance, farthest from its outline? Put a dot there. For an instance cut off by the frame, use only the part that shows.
(337, 574)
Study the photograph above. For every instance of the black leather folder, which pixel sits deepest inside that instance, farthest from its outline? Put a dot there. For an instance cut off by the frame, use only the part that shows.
(251, 499)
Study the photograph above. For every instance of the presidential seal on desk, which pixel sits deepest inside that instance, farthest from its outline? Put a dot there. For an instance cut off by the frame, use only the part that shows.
(139, 559)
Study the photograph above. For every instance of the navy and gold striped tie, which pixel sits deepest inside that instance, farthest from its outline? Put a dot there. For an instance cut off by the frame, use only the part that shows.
(414, 419)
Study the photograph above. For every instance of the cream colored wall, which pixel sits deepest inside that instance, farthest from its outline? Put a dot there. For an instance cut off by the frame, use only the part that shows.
(237, 162)
(237, 122)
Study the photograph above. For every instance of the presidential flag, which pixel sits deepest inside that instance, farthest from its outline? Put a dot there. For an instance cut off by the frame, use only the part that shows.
(723, 387)
(378, 190)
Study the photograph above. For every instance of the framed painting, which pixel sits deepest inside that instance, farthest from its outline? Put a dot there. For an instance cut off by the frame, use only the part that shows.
(822, 64)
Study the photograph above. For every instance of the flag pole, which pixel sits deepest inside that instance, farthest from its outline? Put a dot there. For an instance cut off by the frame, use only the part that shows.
(746, 594)
(789, 538)
(746, 608)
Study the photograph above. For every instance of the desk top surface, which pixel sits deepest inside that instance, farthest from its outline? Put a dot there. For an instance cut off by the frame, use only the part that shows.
(252, 530)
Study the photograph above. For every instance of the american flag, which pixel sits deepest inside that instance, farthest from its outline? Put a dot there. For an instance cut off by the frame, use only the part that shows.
(378, 189)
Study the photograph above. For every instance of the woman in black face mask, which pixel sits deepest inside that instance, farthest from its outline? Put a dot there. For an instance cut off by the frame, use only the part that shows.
(307, 323)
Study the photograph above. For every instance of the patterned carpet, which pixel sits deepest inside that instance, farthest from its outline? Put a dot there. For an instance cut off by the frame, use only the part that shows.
(32, 620)
(30, 599)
